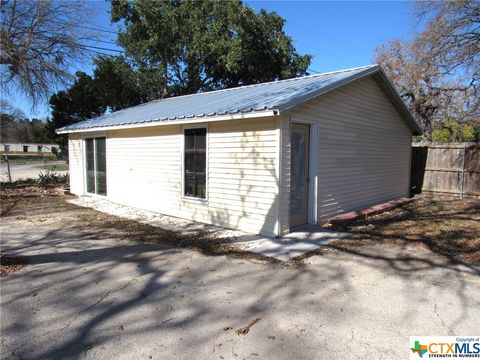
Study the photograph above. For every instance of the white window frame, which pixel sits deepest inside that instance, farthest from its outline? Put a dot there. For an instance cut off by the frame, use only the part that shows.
(184, 197)
(84, 165)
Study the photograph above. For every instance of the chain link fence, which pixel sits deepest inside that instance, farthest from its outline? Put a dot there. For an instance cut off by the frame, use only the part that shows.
(19, 168)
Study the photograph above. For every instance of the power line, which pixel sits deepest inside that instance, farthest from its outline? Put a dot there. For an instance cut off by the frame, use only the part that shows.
(96, 52)
(328, 52)
(104, 41)
(348, 45)
(102, 48)
(98, 29)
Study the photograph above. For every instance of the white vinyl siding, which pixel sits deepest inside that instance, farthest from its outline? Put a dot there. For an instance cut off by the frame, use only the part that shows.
(144, 168)
(364, 148)
(76, 164)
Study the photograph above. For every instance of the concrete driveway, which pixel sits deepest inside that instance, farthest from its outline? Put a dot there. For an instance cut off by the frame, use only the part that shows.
(91, 294)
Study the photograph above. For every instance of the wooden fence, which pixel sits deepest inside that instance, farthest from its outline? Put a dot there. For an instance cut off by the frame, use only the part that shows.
(446, 168)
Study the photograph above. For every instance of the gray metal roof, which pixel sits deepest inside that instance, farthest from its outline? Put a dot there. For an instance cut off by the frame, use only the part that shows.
(278, 96)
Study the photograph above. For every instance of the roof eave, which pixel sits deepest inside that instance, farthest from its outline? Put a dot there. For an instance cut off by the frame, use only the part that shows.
(154, 123)
(381, 78)
(384, 82)
(300, 100)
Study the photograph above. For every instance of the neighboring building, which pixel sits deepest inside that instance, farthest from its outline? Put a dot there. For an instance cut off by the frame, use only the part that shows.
(29, 149)
(261, 158)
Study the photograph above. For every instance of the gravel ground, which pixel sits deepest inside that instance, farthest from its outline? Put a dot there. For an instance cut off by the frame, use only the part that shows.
(98, 286)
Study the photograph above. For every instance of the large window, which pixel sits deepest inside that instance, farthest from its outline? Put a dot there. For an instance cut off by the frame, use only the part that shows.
(96, 165)
(195, 162)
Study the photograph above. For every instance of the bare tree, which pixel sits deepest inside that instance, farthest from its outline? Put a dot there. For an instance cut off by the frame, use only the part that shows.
(437, 73)
(452, 37)
(40, 40)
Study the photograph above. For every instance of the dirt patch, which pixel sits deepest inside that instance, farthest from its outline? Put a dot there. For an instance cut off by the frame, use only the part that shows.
(19, 195)
(447, 226)
(40, 206)
(9, 264)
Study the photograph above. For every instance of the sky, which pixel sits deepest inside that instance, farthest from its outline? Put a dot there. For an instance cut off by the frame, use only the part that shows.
(339, 34)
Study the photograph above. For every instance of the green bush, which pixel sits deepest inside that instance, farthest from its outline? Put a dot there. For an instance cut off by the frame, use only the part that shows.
(441, 135)
(52, 179)
(454, 131)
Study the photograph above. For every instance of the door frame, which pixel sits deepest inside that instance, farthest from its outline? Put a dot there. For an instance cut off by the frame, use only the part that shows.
(84, 137)
(313, 164)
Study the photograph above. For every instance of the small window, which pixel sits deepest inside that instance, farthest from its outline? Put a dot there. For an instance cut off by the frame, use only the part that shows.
(195, 162)
(39, 148)
(7, 148)
(25, 148)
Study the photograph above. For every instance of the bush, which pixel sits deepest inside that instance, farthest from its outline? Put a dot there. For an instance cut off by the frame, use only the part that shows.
(455, 131)
(52, 179)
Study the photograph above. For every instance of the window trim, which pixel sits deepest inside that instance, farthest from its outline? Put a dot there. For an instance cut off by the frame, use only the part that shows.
(184, 197)
(84, 165)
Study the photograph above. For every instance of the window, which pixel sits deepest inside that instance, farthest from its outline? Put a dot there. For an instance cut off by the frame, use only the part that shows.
(195, 162)
(25, 148)
(39, 148)
(96, 165)
(7, 148)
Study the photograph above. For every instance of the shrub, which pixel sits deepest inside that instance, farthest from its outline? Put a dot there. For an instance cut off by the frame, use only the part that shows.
(52, 179)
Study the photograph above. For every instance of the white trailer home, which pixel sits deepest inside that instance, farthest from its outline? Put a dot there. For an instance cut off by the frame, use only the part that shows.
(28, 149)
(262, 158)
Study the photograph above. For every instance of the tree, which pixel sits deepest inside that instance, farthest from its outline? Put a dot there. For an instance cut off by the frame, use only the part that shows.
(452, 38)
(16, 127)
(40, 40)
(114, 85)
(179, 47)
(452, 131)
(437, 72)
(117, 84)
(77, 103)
(194, 46)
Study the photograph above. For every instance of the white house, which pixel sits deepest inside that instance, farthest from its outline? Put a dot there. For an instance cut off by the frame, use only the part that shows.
(261, 158)
(28, 149)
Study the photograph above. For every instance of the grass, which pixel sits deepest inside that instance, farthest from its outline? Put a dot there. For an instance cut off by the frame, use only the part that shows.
(22, 160)
(54, 167)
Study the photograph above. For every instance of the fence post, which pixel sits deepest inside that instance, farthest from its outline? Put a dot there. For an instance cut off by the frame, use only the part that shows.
(462, 181)
(8, 169)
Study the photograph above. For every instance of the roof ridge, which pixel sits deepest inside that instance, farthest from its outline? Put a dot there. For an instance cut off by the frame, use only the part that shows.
(272, 82)
(278, 94)
(248, 86)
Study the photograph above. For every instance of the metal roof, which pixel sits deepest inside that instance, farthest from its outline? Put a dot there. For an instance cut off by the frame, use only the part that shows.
(252, 100)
